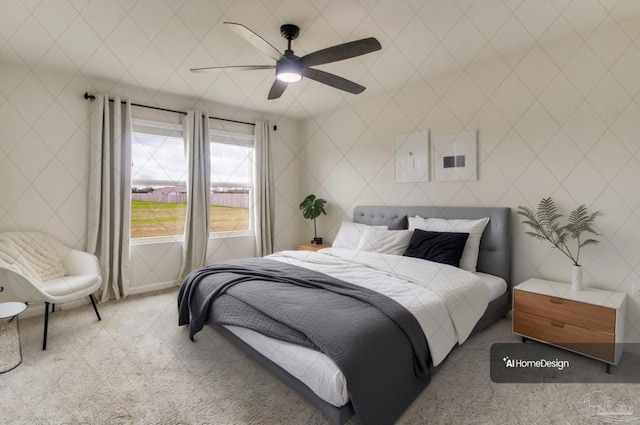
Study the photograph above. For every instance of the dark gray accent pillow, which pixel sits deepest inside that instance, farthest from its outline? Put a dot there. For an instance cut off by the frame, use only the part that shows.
(441, 247)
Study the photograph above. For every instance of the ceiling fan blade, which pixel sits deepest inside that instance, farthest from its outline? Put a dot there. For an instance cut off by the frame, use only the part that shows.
(233, 68)
(342, 51)
(277, 89)
(333, 80)
(255, 40)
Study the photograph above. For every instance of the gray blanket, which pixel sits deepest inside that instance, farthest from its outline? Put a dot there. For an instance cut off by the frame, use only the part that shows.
(377, 344)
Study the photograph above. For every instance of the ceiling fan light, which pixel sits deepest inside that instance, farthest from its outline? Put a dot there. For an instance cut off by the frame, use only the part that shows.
(289, 77)
(289, 71)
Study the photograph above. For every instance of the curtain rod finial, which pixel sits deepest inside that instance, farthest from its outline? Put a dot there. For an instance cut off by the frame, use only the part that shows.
(89, 96)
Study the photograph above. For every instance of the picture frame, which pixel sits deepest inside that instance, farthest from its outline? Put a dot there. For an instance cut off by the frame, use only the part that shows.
(411, 157)
(456, 157)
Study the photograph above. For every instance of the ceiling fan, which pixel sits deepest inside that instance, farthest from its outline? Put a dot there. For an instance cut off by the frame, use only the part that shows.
(291, 68)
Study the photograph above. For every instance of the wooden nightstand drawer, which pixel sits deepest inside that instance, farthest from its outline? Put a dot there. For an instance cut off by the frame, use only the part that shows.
(588, 316)
(587, 341)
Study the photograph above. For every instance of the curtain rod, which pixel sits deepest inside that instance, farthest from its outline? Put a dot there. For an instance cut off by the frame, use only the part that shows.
(92, 97)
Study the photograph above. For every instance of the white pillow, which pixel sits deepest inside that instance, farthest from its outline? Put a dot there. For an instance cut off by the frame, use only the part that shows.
(385, 241)
(474, 228)
(350, 234)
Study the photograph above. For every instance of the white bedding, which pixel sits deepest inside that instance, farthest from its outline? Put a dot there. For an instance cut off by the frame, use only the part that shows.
(497, 285)
(446, 301)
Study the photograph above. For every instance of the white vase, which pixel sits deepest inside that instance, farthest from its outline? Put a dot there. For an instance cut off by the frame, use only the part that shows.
(576, 278)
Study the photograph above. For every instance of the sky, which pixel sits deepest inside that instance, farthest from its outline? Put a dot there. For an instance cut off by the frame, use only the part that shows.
(162, 158)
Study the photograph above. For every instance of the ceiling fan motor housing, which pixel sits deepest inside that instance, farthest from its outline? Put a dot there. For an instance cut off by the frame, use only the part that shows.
(289, 70)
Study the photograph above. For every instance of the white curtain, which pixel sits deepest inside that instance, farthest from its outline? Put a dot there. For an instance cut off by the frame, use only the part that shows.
(263, 191)
(109, 209)
(197, 147)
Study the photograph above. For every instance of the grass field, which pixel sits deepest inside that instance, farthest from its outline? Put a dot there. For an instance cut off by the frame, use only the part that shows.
(149, 219)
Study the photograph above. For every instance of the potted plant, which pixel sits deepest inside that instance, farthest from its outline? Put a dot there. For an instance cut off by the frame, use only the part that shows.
(546, 226)
(311, 208)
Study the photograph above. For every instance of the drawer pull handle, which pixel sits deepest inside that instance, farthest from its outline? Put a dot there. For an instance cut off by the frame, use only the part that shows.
(557, 324)
(555, 300)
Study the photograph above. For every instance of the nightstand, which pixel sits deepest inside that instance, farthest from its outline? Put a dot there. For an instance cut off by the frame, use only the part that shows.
(588, 322)
(311, 247)
(10, 335)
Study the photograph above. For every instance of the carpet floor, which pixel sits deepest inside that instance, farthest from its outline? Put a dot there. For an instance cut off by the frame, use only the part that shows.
(137, 366)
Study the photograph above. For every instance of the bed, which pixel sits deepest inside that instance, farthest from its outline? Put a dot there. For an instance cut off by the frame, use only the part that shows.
(311, 380)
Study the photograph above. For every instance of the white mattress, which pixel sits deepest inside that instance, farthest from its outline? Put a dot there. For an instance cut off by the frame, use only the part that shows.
(318, 371)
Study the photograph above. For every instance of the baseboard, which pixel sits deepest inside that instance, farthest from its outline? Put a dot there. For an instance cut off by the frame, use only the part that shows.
(37, 308)
(152, 287)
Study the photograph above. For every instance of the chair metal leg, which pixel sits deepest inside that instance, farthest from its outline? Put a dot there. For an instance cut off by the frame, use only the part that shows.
(46, 324)
(53, 306)
(95, 307)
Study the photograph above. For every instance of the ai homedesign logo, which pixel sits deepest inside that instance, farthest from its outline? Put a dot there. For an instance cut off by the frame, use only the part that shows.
(538, 364)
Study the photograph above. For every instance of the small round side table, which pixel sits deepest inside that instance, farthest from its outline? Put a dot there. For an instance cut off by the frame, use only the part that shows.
(10, 353)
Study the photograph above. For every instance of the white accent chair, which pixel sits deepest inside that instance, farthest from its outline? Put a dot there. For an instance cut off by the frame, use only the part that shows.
(25, 257)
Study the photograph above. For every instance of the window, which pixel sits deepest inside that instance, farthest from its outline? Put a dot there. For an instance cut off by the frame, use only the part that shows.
(231, 177)
(158, 187)
(158, 180)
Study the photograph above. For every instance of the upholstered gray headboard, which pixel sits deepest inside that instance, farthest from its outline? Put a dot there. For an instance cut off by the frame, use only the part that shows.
(495, 246)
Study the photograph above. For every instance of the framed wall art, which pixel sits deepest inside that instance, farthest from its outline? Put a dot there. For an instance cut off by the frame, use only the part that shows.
(411, 157)
(456, 157)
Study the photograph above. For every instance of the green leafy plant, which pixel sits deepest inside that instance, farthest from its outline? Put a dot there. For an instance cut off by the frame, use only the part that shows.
(546, 226)
(311, 209)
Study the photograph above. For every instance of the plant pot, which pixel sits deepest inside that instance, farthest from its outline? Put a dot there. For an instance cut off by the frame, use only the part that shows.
(317, 241)
(576, 278)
